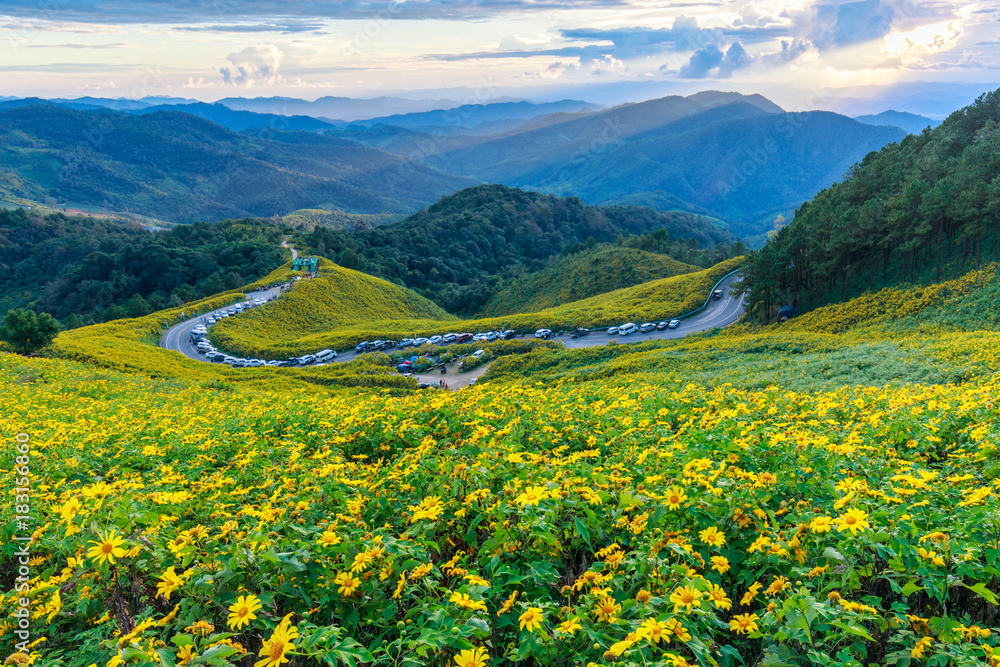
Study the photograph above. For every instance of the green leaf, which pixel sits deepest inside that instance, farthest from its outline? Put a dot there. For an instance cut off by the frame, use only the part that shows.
(859, 632)
(911, 587)
(983, 592)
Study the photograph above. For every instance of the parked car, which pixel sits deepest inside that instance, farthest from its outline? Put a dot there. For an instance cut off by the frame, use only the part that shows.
(406, 342)
(627, 329)
(674, 324)
(464, 338)
(255, 363)
(419, 341)
(647, 327)
(325, 355)
(293, 361)
(508, 334)
(579, 331)
(449, 338)
(307, 359)
(612, 331)
(661, 326)
(478, 353)
(544, 334)
(491, 336)
(362, 347)
(434, 340)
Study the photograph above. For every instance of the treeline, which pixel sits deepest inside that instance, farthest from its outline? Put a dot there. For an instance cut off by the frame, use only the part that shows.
(463, 249)
(926, 208)
(85, 270)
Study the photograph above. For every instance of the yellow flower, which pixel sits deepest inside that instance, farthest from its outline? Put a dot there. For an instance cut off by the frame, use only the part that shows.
(465, 602)
(476, 580)
(106, 548)
(744, 624)
(606, 610)
(532, 496)
(751, 593)
(922, 645)
(168, 583)
(531, 619)
(473, 657)
(329, 539)
(853, 520)
(346, 584)
(685, 596)
(654, 631)
(673, 626)
(242, 611)
(821, 524)
(718, 597)
(675, 497)
(278, 645)
(712, 537)
(569, 627)
(720, 564)
(185, 654)
(779, 584)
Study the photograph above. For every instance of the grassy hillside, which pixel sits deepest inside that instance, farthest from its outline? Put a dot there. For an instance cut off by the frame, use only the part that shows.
(582, 275)
(458, 251)
(327, 314)
(924, 210)
(762, 495)
(178, 167)
(336, 299)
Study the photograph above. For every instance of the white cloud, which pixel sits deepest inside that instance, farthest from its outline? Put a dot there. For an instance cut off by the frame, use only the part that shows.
(258, 64)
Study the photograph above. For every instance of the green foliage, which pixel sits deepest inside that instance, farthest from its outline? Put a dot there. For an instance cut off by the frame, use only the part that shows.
(308, 218)
(922, 210)
(27, 331)
(459, 251)
(85, 270)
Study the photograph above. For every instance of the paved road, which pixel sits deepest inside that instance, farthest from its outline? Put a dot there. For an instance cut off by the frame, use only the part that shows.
(284, 244)
(719, 313)
(176, 337)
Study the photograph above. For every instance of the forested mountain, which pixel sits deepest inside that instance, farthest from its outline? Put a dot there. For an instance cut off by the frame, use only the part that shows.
(85, 270)
(923, 209)
(910, 123)
(477, 118)
(460, 251)
(738, 158)
(174, 166)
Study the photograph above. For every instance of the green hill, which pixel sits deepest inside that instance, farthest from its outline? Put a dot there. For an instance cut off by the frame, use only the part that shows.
(922, 210)
(582, 275)
(337, 298)
(458, 251)
(175, 166)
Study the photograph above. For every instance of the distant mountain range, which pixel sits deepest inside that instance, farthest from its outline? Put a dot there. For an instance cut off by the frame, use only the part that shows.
(178, 167)
(740, 158)
(910, 123)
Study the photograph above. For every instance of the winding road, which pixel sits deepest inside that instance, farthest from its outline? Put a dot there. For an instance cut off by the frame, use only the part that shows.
(716, 314)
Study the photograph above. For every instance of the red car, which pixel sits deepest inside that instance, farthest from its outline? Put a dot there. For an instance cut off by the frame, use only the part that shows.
(464, 338)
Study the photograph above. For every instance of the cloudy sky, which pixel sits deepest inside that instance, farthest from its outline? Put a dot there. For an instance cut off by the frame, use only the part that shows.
(799, 53)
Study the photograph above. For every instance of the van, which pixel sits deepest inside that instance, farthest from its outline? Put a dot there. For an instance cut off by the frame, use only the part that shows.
(627, 328)
(325, 355)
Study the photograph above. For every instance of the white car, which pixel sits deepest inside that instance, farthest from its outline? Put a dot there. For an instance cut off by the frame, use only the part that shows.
(627, 328)
(478, 353)
(543, 333)
(434, 340)
(612, 331)
(674, 324)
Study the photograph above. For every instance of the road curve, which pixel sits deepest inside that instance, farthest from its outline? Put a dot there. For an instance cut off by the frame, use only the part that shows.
(721, 313)
(284, 244)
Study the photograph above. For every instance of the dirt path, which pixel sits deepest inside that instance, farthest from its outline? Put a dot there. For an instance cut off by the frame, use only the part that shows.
(284, 244)
(452, 378)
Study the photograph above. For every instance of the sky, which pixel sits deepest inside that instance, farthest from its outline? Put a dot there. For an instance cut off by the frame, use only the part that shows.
(802, 54)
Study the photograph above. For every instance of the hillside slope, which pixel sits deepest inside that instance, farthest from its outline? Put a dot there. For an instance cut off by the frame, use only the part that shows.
(458, 250)
(174, 166)
(922, 210)
(582, 275)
